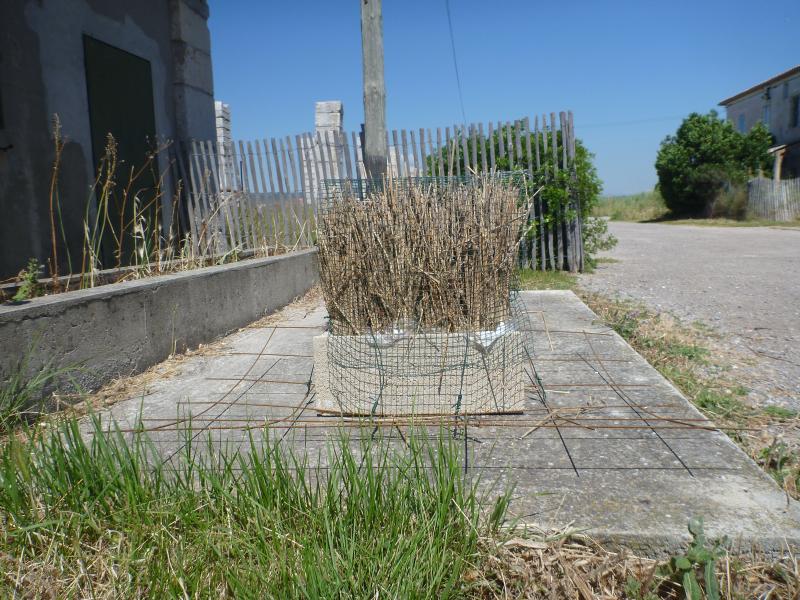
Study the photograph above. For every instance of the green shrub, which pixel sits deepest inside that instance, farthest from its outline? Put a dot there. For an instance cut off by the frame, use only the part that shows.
(704, 156)
(555, 191)
(596, 236)
(28, 282)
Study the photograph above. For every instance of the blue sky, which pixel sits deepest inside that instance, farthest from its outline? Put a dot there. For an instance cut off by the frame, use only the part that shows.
(629, 70)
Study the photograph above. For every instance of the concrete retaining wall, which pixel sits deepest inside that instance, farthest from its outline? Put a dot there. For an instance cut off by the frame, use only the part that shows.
(122, 328)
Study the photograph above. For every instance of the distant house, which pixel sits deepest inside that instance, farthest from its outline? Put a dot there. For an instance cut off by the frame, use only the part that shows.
(138, 70)
(776, 103)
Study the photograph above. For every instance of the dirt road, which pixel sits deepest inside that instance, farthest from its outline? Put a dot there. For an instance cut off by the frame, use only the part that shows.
(744, 282)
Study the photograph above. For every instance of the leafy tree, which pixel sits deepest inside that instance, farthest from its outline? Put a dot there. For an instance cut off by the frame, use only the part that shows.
(704, 156)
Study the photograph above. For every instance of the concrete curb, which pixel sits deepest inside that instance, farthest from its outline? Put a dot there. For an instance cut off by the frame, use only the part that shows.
(123, 328)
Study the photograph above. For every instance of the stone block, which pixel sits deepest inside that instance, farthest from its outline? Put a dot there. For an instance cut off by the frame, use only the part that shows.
(189, 23)
(329, 115)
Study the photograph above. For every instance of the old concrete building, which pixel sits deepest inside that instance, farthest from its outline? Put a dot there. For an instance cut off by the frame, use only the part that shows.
(776, 103)
(139, 70)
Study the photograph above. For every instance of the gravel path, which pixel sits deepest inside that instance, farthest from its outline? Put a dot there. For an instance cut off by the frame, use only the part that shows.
(743, 282)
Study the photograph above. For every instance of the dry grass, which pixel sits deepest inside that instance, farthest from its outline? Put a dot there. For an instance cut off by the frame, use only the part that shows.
(437, 257)
(124, 235)
(299, 309)
(579, 567)
(646, 206)
(67, 406)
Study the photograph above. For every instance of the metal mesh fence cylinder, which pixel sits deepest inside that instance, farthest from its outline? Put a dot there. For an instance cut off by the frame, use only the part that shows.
(419, 278)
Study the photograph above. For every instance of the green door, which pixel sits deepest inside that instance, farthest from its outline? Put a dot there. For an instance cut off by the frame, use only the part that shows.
(120, 90)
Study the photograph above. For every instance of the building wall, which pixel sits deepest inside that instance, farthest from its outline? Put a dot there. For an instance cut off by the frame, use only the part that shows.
(780, 105)
(751, 107)
(746, 112)
(42, 73)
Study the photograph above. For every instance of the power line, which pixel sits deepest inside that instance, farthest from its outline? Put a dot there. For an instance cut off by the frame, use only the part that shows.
(455, 62)
(632, 122)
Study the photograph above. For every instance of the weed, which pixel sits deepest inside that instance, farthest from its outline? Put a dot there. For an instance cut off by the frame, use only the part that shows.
(695, 571)
(730, 203)
(689, 351)
(626, 322)
(674, 352)
(126, 227)
(29, 282)
(650, 207)
(723, 222)
(581, 568)
(781, 462)
(596, 236)
(719, 405)
(740, 390)
(636, 590)
(55, 203)
(606, 260)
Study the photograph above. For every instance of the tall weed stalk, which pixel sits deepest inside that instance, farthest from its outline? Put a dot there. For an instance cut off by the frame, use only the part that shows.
(122, 225)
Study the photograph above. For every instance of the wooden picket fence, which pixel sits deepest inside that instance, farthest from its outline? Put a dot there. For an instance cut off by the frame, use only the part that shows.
(266, 193)
(773, 200)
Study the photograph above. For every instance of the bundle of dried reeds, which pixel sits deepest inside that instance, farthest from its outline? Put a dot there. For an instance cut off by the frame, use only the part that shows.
(430, 256)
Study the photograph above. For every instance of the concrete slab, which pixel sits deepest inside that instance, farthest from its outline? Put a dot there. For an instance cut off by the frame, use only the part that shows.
(610, 447)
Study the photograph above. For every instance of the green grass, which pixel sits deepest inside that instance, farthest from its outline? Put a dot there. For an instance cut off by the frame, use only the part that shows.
(546, 280)
(781, 413)
(647, 206)
(650, 207)
(105, 519)
(21, 393)
(719, 403)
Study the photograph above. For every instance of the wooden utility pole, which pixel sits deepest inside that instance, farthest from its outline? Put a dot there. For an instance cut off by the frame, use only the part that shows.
(375, 150)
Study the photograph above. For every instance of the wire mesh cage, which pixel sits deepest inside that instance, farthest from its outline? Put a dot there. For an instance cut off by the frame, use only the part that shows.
(419, 280)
